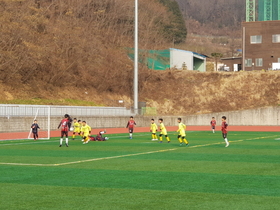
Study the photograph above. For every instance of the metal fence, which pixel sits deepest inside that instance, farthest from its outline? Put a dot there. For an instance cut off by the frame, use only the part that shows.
(11, 110)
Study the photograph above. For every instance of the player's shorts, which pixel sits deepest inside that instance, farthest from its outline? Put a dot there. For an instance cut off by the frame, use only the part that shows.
(154, 131)
(64, 133)
(224, 135)
(130, 130)
(213, 126)
(163, 132)
(183, 134)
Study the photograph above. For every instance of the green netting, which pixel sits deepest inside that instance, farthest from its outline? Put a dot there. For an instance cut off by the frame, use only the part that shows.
(268, 10)
(149, 111)
(153, 59)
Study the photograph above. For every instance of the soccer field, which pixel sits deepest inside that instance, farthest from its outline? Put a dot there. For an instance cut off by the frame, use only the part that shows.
(140, 174)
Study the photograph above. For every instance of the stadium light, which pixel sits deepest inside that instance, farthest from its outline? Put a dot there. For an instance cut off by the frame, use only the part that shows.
(136, 58)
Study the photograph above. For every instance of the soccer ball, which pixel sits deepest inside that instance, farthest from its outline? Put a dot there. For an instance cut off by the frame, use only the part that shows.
(71, 129)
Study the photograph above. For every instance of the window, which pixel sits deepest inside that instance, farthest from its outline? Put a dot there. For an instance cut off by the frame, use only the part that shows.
(248, 62)
(257, 39)
(276, 38)
(259, 62)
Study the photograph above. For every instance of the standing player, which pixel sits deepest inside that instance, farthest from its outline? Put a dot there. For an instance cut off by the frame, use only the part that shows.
(182, 133)
(64, 124)
(163, 131)
(77, 129)
(35, 128)
(130, 126)
(153, 129)
(86, 130)
(224, 130)
(213, 124)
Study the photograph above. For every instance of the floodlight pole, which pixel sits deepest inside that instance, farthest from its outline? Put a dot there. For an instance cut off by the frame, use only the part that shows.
(136, 58)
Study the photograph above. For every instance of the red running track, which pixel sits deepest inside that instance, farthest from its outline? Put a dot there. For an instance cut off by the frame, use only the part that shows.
(24, 135)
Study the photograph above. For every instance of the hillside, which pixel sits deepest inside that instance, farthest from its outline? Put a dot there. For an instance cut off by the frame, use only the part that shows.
(75, 52)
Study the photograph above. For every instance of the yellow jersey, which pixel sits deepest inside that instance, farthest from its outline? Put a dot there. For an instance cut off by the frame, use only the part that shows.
(153, 128)
(77, 127)
(181, 129)
(86, 130)
(162, 129)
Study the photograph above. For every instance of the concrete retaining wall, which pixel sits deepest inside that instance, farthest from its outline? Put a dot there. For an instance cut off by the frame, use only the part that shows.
(262, 116)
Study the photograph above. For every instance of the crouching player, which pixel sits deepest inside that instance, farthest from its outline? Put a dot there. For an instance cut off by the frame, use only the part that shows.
(182, 133)
(86, 130)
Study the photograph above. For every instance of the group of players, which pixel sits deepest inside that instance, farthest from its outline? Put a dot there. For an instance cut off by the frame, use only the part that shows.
(81, 128)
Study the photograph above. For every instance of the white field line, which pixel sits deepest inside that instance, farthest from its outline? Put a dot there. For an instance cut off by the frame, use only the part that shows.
(128, 155)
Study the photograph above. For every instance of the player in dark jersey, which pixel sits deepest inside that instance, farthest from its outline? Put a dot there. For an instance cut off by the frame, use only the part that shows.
(64, 124)
(213, 124)
(224, 130)
(130, 126)
(35, 128)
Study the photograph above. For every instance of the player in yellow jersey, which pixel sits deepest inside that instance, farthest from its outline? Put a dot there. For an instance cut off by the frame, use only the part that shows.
(86, 130)
(153, 129)
(81, 125)
(163, 131)
(182, 133)
(77, 128)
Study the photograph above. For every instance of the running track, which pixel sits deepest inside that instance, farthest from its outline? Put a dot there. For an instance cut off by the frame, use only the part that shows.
(24, 135)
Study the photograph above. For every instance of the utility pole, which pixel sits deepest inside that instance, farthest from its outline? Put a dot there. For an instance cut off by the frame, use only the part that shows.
(136, 58)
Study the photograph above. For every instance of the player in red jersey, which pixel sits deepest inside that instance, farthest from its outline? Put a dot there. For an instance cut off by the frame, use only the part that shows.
(130, 126)
(65, 126)
(213, 124)
(224, 129)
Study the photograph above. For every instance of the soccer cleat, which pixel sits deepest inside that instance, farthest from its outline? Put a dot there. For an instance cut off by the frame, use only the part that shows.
(84, 143)
(181, 144)
(67, 145)
(227, 145)
(160, 142)
(187, 144)
(168, 142)
(60, 145)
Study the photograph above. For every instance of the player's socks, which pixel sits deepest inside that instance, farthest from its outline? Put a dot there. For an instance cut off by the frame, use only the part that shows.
(156, 138)
(160, 138)
(186, 141)
(180, 140)
(66, 141)
(153, 137)
(227, 143)
(73, 137)
(168, 139)
(61, 139)
(130, 135)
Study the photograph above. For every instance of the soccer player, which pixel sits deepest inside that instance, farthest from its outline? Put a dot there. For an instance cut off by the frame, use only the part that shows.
(130, 126)
(64, 124)
(77, 128)
(182, 133)
(153, 129)
(213, 124)
(163, 131)
(35, 128)
(86, 130)
(224, 130)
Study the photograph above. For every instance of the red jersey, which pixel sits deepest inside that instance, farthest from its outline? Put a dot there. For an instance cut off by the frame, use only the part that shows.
(224, 127)
(64, 125)
(130, 124)
(213, 122)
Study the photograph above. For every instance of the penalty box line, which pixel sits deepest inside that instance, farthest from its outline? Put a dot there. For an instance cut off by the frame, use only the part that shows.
(128, 155)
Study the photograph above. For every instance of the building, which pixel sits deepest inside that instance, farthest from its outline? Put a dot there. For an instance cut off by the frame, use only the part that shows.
(261, 39)
(231, 64)
(261, 45)
(187, 60)
(171, 59)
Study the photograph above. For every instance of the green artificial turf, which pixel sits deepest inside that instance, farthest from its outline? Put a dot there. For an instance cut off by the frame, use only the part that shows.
(140, 174)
